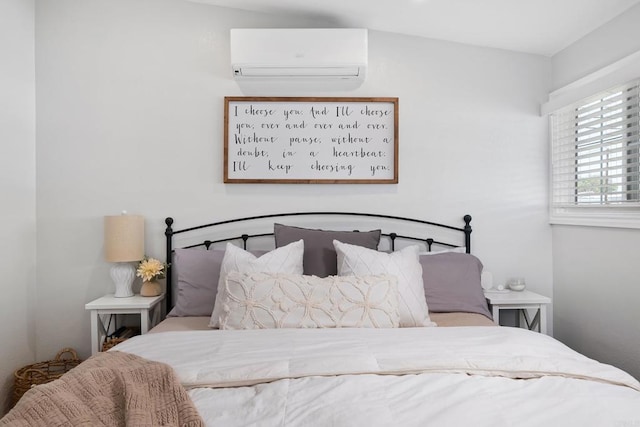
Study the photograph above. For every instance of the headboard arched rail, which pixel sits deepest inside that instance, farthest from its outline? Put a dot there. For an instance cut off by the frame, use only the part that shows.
(429, 242)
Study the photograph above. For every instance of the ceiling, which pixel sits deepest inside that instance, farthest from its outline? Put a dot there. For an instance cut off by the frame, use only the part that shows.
(542, 27)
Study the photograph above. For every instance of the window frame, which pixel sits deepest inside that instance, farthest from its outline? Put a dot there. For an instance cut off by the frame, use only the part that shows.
(563, 143)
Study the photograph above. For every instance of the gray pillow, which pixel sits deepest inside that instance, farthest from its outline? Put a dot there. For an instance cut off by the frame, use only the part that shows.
(320, 258)
(452, 283)
(195, 275)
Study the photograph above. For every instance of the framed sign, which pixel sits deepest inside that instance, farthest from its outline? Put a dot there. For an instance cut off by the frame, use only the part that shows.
(311, 140)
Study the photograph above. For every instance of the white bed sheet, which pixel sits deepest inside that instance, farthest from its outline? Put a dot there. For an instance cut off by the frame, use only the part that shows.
(459, 376)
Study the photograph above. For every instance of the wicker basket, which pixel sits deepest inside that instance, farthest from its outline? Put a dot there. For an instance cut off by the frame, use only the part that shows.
(122, 334)
(111, 342)
(43, 372)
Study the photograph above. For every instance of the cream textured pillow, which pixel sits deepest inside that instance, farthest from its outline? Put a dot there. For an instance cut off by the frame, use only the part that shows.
(405, 264)
(287, 259)
(272, 300)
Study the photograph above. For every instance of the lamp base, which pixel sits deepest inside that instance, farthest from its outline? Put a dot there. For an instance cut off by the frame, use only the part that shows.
(123, 274)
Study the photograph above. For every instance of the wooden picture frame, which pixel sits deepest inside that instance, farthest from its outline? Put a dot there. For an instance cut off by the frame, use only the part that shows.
(310, 140)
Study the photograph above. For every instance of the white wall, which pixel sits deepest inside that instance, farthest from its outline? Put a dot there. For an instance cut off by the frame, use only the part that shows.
(17, 189)
(596, 293)
(605, 45)
(595, 270)
(130, 99)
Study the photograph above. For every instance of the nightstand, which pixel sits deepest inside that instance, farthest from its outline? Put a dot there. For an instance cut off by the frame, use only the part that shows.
(522, 301)
(148, 308)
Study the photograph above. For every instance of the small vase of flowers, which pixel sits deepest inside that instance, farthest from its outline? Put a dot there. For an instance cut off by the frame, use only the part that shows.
(150, 270)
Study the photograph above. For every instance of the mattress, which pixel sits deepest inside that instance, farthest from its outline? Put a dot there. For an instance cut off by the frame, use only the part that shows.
(201, 323)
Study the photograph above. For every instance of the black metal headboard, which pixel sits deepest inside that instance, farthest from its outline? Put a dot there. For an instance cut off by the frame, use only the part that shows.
(170, 232)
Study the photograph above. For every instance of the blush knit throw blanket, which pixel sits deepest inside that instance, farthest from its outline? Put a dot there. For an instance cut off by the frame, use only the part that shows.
(109, 389)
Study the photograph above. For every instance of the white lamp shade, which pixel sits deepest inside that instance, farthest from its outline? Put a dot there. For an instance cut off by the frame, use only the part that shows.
(123, 238)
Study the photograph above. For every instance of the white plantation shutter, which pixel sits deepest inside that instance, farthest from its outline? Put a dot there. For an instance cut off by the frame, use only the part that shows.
(594, 157)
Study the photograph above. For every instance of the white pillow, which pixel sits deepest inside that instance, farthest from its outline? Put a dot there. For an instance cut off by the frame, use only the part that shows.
(274, 300)
(287, 259)
(405, 264)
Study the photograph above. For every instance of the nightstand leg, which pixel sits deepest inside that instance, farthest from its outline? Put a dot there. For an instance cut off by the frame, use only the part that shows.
(144, 321)
(543, 319)
(95, 335)
(495, 312)
(154, 315)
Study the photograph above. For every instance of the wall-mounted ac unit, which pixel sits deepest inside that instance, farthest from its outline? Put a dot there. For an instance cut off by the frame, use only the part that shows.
(311, 58)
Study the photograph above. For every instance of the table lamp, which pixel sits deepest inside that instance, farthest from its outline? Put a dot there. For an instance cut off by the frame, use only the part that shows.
(123, 244)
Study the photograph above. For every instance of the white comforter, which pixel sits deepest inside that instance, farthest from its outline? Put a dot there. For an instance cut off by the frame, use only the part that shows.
(463, 376)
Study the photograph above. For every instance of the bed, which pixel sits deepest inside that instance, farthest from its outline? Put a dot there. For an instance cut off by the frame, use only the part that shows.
(382, 327)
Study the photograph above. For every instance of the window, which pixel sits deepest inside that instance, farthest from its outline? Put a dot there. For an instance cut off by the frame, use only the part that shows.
(594, 160)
